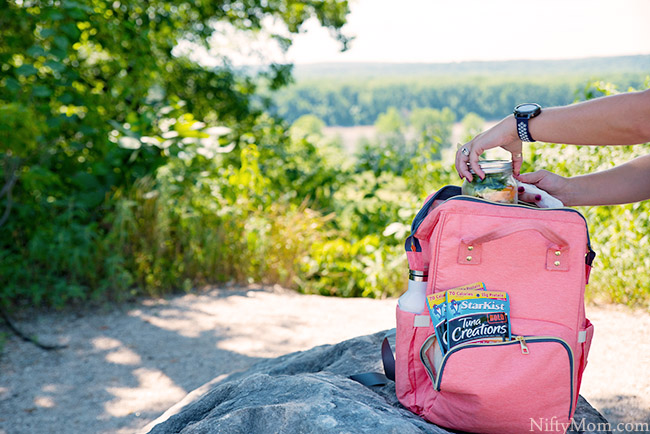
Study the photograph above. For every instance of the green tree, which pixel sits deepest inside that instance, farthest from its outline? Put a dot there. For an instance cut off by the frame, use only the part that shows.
(472, 125)
(429, 123)
(307, 126)
(97, 100)
(384, 152)
(390, 125)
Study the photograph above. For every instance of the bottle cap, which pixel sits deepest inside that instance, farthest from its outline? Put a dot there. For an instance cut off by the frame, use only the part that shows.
(418, 275)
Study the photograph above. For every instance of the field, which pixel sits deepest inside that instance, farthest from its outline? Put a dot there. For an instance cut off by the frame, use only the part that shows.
(350, 137)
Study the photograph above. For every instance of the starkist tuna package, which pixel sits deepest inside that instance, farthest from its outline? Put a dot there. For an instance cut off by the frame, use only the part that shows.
(481, 316)
(437, 304)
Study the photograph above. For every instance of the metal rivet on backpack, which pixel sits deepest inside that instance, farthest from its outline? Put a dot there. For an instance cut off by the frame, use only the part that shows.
(469, 258)
(558, 253)
(470, 248)
(557, 263)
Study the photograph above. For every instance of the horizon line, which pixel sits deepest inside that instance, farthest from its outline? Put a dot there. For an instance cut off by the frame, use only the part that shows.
(550, 59)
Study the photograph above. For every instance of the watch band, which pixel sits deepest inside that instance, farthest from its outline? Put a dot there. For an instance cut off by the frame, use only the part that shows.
(524, 112)
(522, 130)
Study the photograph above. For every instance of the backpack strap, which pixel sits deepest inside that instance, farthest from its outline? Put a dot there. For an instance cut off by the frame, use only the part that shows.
(370, 379)
(589, 260)
(412, 244)
(446, 192)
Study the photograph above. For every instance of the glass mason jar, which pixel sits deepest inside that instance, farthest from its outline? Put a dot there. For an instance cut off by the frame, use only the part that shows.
(498, 186)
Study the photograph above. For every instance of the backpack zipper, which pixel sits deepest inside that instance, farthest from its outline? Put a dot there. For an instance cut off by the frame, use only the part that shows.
(524, 347)
(419, 218)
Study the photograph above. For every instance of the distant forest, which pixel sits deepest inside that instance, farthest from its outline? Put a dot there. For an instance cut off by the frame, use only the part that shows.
(356, 93)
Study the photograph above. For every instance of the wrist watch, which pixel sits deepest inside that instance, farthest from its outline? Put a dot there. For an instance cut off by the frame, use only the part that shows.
(524, 112)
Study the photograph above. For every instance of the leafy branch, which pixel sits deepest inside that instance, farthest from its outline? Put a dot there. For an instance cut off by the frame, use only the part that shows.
(11, 165)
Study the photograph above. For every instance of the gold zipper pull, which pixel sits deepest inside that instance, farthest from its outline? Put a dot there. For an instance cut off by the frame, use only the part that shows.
(524, 347)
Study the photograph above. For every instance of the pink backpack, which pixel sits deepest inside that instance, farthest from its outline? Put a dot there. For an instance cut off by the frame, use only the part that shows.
(542, 258)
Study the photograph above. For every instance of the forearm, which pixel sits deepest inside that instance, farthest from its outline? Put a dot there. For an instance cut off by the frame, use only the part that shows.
(627, 183)
(622, 119)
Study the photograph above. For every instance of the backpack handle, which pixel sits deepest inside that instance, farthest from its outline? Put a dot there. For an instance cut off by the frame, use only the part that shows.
(505, 231)
(470, 252)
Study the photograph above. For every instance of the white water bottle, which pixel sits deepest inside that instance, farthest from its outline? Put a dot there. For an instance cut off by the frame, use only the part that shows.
(415, 296)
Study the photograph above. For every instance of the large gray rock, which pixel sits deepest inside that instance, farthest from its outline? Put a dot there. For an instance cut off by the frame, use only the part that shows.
(310, 392)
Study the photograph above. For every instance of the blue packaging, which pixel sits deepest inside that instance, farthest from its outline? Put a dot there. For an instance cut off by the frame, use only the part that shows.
(477, 316)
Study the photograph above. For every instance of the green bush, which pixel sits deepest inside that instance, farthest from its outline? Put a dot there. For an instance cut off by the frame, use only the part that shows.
(97, 111)
(367, 268)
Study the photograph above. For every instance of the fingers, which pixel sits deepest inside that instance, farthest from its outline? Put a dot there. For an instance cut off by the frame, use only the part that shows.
(532, 177)
(524, 196)
(462, 158)
(503, 134)
(473, 163)
(517, 160)
(467, 157)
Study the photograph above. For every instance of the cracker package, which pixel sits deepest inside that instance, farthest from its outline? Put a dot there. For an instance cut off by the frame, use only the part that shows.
(481, 316)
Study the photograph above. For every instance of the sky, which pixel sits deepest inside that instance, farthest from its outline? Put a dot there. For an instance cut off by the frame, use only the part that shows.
(440, 31)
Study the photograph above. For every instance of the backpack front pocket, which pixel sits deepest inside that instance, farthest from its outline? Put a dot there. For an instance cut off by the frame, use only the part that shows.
(521, 385)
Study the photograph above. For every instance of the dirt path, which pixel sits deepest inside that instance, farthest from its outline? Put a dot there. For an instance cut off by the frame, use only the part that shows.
(125, 366)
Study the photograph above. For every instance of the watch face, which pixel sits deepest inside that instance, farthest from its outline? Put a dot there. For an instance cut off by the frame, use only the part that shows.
(527, 108)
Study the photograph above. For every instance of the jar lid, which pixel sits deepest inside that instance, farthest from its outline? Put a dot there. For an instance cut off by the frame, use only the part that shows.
(494, 166)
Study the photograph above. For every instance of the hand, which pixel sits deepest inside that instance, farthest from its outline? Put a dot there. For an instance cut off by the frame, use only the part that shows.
(555, 185)
(503, 134)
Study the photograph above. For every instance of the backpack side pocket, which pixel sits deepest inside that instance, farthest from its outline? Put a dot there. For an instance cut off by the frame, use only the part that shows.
(411, 377)
(584, 342)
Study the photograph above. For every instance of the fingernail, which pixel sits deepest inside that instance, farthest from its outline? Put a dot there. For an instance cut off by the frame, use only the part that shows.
(521, 189)
(538, 197)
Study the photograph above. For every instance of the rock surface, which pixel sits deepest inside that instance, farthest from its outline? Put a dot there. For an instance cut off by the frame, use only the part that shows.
(310, 392)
